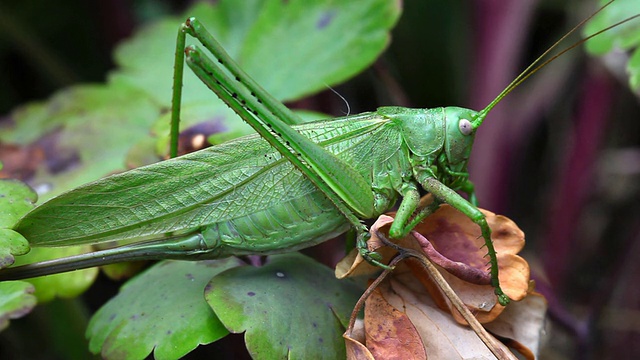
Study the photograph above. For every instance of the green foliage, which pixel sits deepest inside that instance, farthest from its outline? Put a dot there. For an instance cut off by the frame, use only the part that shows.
(16, 199)
(16, 300)
(161, 310)
(292, 307)
(625, 37)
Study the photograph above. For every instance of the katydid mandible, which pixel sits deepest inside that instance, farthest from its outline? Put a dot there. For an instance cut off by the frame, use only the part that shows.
(305, 184)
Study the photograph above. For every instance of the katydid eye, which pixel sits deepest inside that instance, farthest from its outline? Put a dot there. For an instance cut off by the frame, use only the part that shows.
(465, 127)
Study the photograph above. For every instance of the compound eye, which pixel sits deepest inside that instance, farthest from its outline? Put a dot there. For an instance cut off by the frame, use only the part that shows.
(465, 127)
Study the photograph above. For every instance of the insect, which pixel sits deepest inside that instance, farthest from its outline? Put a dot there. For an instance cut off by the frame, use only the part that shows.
(291, 186)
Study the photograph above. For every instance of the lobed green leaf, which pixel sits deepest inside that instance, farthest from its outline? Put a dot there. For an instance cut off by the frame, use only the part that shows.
(292, 307)
(16, 199)
(16, 300)
(161, 310)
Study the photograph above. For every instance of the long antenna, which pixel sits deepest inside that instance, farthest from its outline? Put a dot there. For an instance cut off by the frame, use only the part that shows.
(532, 69)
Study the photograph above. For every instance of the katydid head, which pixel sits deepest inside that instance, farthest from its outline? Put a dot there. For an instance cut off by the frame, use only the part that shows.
(459, 135)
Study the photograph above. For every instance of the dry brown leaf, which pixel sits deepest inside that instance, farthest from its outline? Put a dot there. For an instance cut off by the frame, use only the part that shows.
(354, 342)
(390, 334)
(452, 241)
(20, 162)
(523, 324)
(355, 265)
(442, 336)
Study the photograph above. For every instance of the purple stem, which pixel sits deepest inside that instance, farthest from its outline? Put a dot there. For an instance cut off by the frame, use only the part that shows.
(501, 30)
(575, 176)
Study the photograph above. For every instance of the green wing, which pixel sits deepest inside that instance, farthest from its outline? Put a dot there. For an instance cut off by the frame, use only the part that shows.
(180, 195)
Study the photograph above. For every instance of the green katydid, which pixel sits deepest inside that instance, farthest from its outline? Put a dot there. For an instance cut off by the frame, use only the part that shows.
(304, 184)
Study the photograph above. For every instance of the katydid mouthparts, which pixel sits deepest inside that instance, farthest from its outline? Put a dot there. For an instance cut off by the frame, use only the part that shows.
(288, 187)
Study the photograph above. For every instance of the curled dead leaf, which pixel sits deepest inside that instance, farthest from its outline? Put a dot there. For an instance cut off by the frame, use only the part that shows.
(453, 243)
(403, 322)
(387, 332)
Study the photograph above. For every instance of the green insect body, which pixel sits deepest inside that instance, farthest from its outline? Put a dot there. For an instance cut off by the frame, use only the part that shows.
(288, 187)
(243, 197)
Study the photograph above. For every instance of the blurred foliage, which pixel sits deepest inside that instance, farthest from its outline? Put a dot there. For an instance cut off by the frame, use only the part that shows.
(625, 38)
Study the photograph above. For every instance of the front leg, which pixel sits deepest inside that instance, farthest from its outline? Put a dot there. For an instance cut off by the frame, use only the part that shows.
(445, 194)
(461, 179)
(405, 220)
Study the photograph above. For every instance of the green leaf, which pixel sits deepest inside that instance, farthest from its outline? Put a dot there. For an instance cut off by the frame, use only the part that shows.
(634, 70)
(16, 199)
(161, 310)
(292, 48)
(623, 37)
(16, 300)
(11, 244)
(293, 307)
(16, 297)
